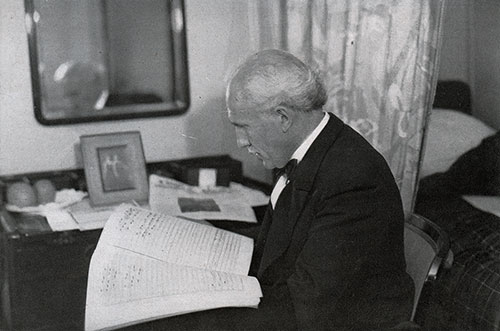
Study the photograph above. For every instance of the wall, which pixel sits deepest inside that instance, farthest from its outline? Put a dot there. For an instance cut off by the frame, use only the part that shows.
(471, 52)
(455, 61)
(27, 146)
(486, 55)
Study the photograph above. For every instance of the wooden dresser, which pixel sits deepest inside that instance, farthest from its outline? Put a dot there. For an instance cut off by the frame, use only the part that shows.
(44, 273)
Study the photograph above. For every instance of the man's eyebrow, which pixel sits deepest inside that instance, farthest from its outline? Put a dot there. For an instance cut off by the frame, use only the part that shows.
(239, 125)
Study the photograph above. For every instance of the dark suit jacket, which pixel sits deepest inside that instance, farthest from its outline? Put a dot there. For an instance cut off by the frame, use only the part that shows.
(331, 254)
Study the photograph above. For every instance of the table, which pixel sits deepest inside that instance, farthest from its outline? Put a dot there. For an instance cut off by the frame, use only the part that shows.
(44, 273)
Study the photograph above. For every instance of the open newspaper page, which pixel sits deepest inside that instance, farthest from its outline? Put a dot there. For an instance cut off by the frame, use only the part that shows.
(148, 266)
(235, 203)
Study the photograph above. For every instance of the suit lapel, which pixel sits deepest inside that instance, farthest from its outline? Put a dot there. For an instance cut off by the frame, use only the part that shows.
(261, 240)
(294, 196)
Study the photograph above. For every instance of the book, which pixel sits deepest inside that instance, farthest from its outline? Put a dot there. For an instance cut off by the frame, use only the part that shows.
(149, 265)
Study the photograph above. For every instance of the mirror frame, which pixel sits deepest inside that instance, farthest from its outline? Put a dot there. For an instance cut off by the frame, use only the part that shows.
(181, 87)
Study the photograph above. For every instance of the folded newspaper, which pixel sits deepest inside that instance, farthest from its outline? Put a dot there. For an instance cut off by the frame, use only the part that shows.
(234, 203)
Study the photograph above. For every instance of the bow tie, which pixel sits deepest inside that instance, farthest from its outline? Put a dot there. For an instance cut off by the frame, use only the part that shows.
(287, 170)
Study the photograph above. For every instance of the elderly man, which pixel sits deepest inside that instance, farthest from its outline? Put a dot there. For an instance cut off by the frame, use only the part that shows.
(329, 255)
(330, 251)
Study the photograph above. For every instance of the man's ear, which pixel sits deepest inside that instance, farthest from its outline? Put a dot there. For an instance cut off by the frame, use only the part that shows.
(285, 116)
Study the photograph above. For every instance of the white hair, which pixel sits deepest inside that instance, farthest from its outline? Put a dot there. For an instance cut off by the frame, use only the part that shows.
(274, 77)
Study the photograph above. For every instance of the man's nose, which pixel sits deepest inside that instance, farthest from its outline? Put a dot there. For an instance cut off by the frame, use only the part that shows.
(241, 139)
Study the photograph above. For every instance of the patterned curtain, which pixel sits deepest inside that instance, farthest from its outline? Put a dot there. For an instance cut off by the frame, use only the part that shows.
(379, 61)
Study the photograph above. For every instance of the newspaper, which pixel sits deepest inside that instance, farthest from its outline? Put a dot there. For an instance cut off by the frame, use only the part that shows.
(175, 198)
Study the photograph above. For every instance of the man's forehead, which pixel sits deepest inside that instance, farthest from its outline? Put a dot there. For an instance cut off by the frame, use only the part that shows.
(236, 104)
(243, 116)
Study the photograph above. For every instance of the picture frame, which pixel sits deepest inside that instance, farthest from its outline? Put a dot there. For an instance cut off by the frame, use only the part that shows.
(115, 168)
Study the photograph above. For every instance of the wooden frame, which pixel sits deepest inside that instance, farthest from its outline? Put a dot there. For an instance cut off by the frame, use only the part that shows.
(91, 93)
(115, 168)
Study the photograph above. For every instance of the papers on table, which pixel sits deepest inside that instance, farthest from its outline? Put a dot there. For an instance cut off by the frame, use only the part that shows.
(60, 220)
(81, 216)
(172, 197)
(487, 203)
(88, 217)
(71, 210)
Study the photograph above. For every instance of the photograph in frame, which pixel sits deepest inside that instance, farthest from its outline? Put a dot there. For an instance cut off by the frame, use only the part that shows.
(115, 168)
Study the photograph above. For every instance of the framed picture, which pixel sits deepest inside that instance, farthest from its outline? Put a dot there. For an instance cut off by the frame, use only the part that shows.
(115, 168)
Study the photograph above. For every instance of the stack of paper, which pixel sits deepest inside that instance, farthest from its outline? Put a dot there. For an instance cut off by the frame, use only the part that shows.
(148, 266)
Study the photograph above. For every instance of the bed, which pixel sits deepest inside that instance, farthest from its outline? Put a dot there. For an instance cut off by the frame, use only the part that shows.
(462, 157)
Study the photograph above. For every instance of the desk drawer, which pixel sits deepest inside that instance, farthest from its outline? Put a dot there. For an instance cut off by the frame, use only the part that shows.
(56, 303)
(45, 279)
(64, 253)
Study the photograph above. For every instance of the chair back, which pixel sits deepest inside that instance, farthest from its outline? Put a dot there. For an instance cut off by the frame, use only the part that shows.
(426, 247)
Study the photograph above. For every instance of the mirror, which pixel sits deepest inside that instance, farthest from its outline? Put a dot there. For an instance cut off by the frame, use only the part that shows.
(96, 60)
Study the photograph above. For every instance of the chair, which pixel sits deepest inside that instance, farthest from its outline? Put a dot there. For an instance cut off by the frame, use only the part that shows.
(426, 248)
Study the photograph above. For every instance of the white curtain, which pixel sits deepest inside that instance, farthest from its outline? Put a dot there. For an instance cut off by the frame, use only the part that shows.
(378, 59)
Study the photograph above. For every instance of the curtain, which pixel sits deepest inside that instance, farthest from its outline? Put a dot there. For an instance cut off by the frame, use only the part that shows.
(378, 59)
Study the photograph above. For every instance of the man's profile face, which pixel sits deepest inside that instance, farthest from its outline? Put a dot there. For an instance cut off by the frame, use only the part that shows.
(257, 131)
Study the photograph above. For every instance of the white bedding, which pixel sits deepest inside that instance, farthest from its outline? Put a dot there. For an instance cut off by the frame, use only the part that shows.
(450, 134)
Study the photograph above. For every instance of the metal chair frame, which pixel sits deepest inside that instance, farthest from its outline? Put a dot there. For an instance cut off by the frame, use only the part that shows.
(438, 240)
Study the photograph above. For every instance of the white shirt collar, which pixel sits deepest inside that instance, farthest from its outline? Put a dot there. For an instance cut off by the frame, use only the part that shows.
(306, 144)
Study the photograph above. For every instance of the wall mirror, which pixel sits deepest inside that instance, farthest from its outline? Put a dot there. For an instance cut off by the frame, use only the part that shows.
(95, 60)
